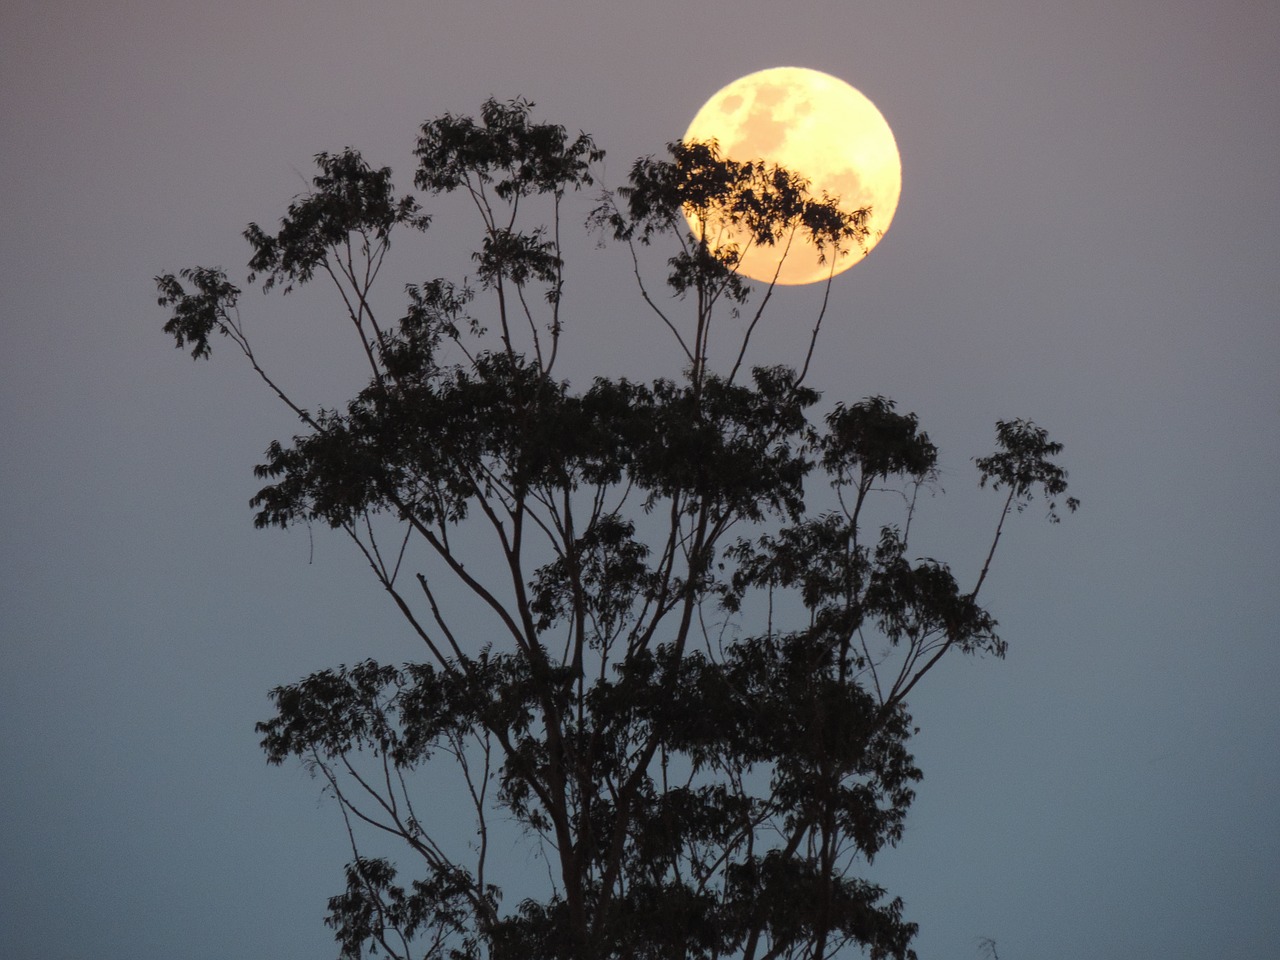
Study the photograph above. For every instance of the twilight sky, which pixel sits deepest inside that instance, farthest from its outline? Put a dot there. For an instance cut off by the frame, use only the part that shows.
(1087, 237)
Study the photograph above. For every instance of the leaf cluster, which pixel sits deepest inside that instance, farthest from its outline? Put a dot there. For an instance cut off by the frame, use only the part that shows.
(759, 202)
(349, 199)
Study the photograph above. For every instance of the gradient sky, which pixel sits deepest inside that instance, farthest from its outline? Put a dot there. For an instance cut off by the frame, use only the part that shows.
(1087, 238)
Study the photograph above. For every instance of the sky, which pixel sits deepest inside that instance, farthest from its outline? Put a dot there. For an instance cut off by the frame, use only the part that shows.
(1087, 237)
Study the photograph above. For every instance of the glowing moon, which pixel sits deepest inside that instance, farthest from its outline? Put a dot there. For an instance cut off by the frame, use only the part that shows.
(820, 128)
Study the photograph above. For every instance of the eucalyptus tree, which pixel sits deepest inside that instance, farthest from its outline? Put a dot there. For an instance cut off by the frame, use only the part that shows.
(686, 683)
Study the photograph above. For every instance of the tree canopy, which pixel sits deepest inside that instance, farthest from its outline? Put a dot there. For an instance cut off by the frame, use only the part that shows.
(683, 669)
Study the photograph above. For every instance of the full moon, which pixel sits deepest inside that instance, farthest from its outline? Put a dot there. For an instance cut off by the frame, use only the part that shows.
(819, 127)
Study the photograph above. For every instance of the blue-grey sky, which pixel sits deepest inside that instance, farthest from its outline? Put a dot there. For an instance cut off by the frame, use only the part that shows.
(1087, 237)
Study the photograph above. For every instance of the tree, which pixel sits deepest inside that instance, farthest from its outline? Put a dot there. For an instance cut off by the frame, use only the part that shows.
(688, 686)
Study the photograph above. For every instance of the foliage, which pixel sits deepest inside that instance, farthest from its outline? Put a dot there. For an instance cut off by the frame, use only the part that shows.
(688, 685)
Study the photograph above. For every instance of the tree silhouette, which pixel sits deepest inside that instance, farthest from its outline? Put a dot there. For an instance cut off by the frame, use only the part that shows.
(679, 682)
